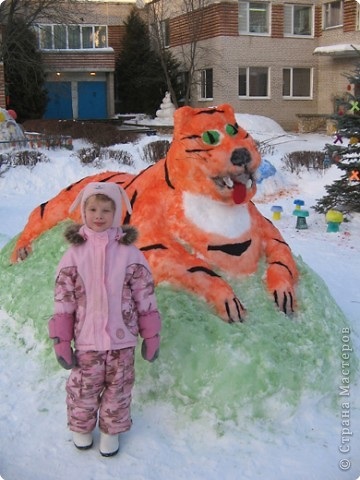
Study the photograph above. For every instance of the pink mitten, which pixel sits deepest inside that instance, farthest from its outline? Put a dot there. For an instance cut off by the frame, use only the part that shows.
(150, 348)
(64, 354)
(61, 330)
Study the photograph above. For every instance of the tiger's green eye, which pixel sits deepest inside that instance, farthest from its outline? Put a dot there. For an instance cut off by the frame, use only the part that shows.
(211, 137)
(231, 129)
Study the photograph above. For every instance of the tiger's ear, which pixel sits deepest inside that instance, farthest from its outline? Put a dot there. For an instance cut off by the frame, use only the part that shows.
(182, 116)
(227, 108)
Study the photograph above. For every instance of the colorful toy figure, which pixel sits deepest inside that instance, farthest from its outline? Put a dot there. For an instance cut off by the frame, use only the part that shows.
(277, 210)
(195, 214)
(301, 218)
(334, 218)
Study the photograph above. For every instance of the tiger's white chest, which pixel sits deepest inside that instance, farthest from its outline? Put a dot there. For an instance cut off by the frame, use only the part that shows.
(230, 221)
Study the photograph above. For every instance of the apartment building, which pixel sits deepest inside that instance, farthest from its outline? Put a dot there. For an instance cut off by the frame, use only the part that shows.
(277, 58)
(79, 59)
(280, 59)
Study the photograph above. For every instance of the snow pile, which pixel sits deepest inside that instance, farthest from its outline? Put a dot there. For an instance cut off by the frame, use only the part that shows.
(11, 134)
(254, 401)
(256, 124)
(238, 378)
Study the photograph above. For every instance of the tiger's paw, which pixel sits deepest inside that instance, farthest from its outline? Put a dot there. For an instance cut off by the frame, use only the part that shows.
(281, 283)
(285, 300)
(20, 254)
(231, 310)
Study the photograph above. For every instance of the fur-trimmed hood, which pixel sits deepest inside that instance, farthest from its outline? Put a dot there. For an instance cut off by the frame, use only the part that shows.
(111, 190)
(127, 234)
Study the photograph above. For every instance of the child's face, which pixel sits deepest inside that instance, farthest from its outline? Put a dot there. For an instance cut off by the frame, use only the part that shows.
(99, 214)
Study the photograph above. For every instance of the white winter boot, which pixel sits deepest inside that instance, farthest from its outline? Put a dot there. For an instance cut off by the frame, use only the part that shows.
(109, 444)
(83, 441)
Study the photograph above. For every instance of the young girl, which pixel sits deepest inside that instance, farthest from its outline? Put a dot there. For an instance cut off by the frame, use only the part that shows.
(104, 298)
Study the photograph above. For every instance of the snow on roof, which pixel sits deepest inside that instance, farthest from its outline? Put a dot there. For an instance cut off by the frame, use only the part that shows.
(343, 49)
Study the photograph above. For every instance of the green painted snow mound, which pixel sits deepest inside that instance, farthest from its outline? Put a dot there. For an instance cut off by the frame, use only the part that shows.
(258, 370)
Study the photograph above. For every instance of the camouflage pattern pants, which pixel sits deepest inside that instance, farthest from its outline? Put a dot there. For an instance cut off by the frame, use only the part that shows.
(100, 386)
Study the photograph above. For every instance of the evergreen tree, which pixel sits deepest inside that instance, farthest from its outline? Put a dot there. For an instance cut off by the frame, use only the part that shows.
(140, 80)
(24, 73)
(344, 194)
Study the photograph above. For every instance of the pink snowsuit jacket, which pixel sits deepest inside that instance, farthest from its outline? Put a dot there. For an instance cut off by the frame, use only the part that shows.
(105, 283)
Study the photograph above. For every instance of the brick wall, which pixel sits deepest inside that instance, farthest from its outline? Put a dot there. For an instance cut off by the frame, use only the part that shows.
(350, 9)
(115, 38)
(82, 60)
(222, 19)
(277, 21)
(318, 21)
(215, 20)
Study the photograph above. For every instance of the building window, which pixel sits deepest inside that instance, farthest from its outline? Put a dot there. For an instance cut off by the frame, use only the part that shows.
(160, 34)
(299, 20)
(74, 36)
(100, 36)
(64, 37)
(87, 37)
(254, 82)
(254, 17)
(206, 84)
(297, 83)
(59, 37)
(333, 14)
(45, 36)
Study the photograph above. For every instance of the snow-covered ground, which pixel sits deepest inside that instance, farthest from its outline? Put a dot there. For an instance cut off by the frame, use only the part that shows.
(312, 444)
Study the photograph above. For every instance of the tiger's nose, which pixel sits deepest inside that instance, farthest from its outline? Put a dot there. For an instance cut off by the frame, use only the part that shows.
(240, 157)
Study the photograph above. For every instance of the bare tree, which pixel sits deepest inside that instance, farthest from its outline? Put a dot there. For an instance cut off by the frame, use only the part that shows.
(29, 12)
(18, 47)
(157, 10)
(190, 33)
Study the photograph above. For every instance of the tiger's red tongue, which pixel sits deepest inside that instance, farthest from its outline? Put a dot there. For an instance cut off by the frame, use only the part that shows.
(239, 193)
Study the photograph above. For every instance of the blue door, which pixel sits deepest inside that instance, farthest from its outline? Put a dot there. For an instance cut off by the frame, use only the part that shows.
(59, 104)
(92, 100)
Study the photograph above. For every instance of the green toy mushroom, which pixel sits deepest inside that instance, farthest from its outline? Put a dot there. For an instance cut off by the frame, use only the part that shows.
(276, 209)
(333, 219)
(301, 218)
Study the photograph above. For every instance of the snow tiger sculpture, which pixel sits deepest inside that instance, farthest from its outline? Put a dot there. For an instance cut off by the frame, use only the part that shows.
(194, 214)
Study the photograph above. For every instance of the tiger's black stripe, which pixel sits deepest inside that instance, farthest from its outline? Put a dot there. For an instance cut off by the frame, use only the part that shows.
(155, 246)
(191, 137)
(42, 209)
(138, 176)
(282, 265)
(204, 270)
(209, 111)
(228, 312)
(235, 249)
(109, 178)
(167, 176)
(197, 150)
(291, 302)
(67, 189)
(281, 241)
